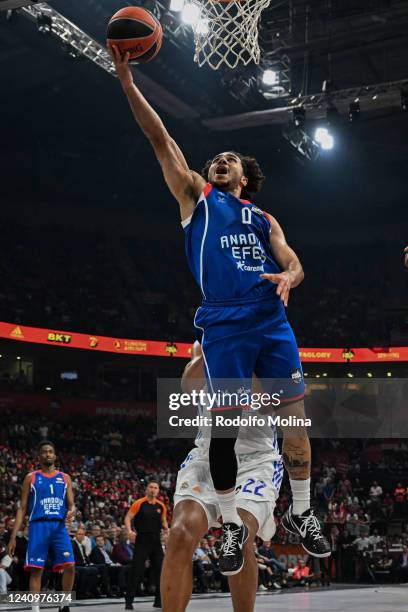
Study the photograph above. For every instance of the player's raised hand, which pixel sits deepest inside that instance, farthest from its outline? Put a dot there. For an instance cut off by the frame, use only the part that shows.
(283, 280)
(406, 256)
(11, 547)
(122, 65)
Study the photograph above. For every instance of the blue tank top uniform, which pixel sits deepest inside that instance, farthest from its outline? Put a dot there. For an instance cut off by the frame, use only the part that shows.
(241, 323)
(48, 538)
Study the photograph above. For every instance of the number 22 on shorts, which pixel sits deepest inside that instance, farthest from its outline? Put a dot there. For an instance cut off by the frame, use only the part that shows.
(254, 490)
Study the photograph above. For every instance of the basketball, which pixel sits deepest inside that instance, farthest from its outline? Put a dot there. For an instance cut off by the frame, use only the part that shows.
(136, 31)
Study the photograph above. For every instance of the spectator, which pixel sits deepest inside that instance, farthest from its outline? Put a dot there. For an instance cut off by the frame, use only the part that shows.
(112, 574)
(301, 574)
(122, 551)
(87, 574)
(5, 563)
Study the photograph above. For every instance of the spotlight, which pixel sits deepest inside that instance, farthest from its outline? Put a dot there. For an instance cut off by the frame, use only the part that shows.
(190, 14)
(354, 110)
(317, 376)
(48, 388)
(350, 375)
(18, 358)
(176, 5)
(369, 375)
(305, 374)
(270, 77)
(324, 138)
(389, 374)
(44, 24)
(404, 101)
(324, 374)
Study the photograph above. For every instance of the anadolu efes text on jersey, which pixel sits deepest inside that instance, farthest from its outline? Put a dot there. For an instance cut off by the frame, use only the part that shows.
(227, 246)
(47, 500)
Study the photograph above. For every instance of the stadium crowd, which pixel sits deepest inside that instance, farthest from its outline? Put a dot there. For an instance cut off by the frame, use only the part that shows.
(40, 285)
(111, 460)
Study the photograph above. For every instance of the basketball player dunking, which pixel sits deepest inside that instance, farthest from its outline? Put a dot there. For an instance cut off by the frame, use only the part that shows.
(237, 253)
(48, 497)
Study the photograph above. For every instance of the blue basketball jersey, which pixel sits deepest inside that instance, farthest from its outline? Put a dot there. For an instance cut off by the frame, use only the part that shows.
(47, 500)
(227, 246)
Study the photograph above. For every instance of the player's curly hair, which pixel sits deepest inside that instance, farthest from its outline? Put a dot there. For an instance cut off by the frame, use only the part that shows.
(252, 171)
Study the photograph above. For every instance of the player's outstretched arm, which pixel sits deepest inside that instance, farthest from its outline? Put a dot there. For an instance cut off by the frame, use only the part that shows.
(70, 501)
(286, 257)
(21, 512)
(185, 184)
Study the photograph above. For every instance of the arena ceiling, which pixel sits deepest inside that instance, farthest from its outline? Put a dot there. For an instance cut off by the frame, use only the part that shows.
(66, 127)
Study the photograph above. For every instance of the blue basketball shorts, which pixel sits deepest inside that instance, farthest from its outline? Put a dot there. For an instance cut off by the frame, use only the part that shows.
(48, 540)
(239, 340)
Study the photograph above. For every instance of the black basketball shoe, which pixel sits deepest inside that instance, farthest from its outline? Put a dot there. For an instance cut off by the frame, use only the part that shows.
(231, 559)
(308, 528)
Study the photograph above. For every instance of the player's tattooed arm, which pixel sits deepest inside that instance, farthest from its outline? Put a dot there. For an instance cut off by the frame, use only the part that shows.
(21, 512)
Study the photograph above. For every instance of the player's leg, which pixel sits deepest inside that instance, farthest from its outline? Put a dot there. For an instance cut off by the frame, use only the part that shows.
(229, 354)
(37, 552)
(244, 585)
(190, 524)
(279, 360)
(63, 555)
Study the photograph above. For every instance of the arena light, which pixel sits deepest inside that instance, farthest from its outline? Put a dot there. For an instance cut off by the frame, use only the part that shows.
(369, 374)
(48, 388)
(389, 374)
(270, 77)
(190, 14)
(176, 5)
(317, 376)
(324, 374)
(350, 375)
(18, 358)
(323, 137)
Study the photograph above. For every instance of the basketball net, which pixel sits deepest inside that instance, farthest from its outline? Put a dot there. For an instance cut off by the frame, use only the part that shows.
(227, 32)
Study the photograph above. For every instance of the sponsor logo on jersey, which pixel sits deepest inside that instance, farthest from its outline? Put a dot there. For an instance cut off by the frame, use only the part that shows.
(257, 210)
(297, 376)
(241, 265)
(184, 485)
